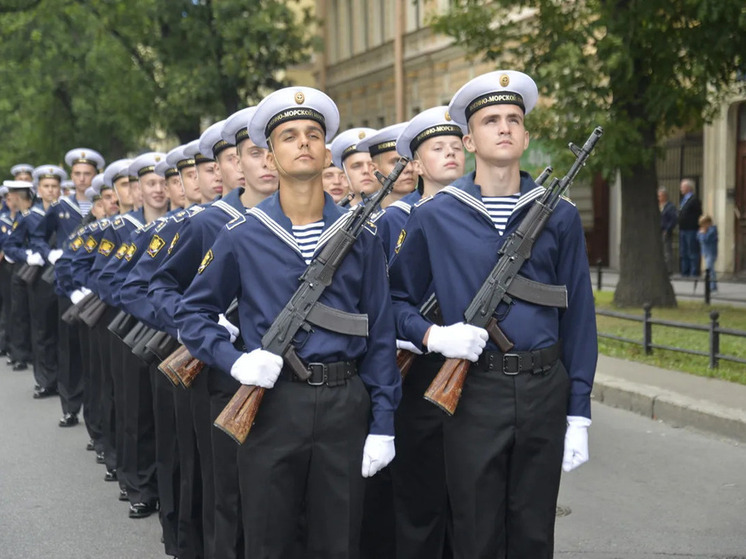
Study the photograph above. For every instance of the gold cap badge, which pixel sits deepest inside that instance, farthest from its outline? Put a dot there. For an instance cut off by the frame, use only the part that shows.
(157, 158)
(361, 135)
(448, 116)
(299, 97)
(504, 80)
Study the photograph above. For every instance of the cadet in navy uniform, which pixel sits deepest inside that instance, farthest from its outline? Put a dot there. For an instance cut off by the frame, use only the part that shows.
(7, 216)
(22, 172)
(335, 183)
(42, 298)
(15, 247)
(311, 441)
(60, 221)
(433, 141)
(383, 155)
(502, 481)
(355, 163)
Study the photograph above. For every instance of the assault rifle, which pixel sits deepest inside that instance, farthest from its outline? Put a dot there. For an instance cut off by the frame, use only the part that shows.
(303, 308)
(430, 309)
(504, 282)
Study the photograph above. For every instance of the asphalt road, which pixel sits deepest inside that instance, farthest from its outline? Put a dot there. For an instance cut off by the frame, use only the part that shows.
(650, 491)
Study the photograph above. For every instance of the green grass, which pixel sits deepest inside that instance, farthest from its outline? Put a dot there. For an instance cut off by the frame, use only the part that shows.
(687, 311)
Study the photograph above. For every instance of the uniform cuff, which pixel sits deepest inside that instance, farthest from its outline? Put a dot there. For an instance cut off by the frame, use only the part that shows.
(382, 423)
(580, 404)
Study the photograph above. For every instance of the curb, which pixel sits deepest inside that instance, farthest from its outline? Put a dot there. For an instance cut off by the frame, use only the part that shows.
(670, 407)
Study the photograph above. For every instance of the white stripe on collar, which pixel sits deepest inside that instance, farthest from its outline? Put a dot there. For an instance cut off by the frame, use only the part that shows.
(326, 235)
(406, 208)
(275, 228)
(134, 221)
(73, 206)
(469, 200)
(38, 210)
(227, 208)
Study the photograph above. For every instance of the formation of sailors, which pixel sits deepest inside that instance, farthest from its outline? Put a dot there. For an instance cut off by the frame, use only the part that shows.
(159, 246)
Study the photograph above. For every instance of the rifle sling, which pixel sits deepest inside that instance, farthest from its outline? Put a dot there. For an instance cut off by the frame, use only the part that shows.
(338, 321)
(538, 293)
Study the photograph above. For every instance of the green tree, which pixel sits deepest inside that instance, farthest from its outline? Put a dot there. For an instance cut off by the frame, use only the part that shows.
(639, 68)
(110, 74)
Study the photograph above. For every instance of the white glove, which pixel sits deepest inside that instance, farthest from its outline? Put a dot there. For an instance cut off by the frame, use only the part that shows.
(77, 296)
(8, 259)
(85, 291)
(34, 259)
(457, 341)
(378, 452)
(54, 255)
(28, 252)
(576, 442)
(258, 368)
(228, 325)
(408, 346)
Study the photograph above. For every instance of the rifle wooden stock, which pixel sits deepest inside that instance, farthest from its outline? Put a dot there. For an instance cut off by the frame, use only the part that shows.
(179, 360)
(238, 416)
(164, 367)
(189, 371)
(404, 360)
(93, 312)
(445, 390)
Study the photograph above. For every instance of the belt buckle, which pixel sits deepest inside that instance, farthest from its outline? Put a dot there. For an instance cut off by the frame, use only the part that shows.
(510, 359)
(322, 369)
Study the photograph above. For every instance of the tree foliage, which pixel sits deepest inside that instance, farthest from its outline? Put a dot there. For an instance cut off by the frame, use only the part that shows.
(111, 74)
(639, 68)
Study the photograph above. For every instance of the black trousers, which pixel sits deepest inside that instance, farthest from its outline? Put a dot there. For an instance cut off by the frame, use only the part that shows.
(418, 471)
(228, 522)
(503, 451)
(109, 355)
(304, 456)
(138, 462)
(20, 320)
(166, 456)
(6, 269)
(70, 371)
(43, 309)
(201, 420)
(189, 537)
(89, 353)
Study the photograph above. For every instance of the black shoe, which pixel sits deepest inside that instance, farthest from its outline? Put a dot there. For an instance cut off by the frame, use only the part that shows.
(10, 362)
(123, 495)
(142, 510)
(68, 420)
(3, 352)
(100, 458)
(90, 446)
(45, 392)
(20, 366)
(110, 475)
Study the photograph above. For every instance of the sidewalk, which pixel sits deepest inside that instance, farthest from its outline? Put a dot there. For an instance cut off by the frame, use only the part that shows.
(677, 398)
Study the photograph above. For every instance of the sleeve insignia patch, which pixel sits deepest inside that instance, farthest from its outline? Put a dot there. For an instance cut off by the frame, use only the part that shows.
(173, 243)
(400, 241)
(90, 244)
(15, 224)
(105, 247)
(4, 229)
(155, 246)
(77, 243)
(131, 250)
(205, 261)
(121, 251)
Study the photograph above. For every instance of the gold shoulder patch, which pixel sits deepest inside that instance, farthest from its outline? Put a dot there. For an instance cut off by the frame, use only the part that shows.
(131, 250)
(205, 261)
(400, 241)
(105, 247)
(155, 246)
(77, 243)
(15, 224)
(173, 243)
(90, 244)
(121, 251)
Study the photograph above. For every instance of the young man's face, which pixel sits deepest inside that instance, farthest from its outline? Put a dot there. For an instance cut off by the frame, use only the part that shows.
(497, 134)
(13, 200)
(23, 176)
(359, 168)
(440, 159)
(175, 191)
(385, 163)
(153, 189)
(49, 190)
(298, 150)
(98, 209)
(253, 162)
(230, 171)
(209, 179)
(136, 193)
(109, 200)
(82, 174)
(123, 192)
(189, 180)
(335, 183)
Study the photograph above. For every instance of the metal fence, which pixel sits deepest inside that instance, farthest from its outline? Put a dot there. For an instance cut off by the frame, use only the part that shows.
(713, 329)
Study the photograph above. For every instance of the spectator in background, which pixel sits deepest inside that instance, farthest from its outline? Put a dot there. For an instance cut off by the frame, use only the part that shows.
(669, 216)
(689, 211)
(708, 242)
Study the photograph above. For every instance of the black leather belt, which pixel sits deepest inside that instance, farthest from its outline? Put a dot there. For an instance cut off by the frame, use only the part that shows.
(329, 374)
(535, 362)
